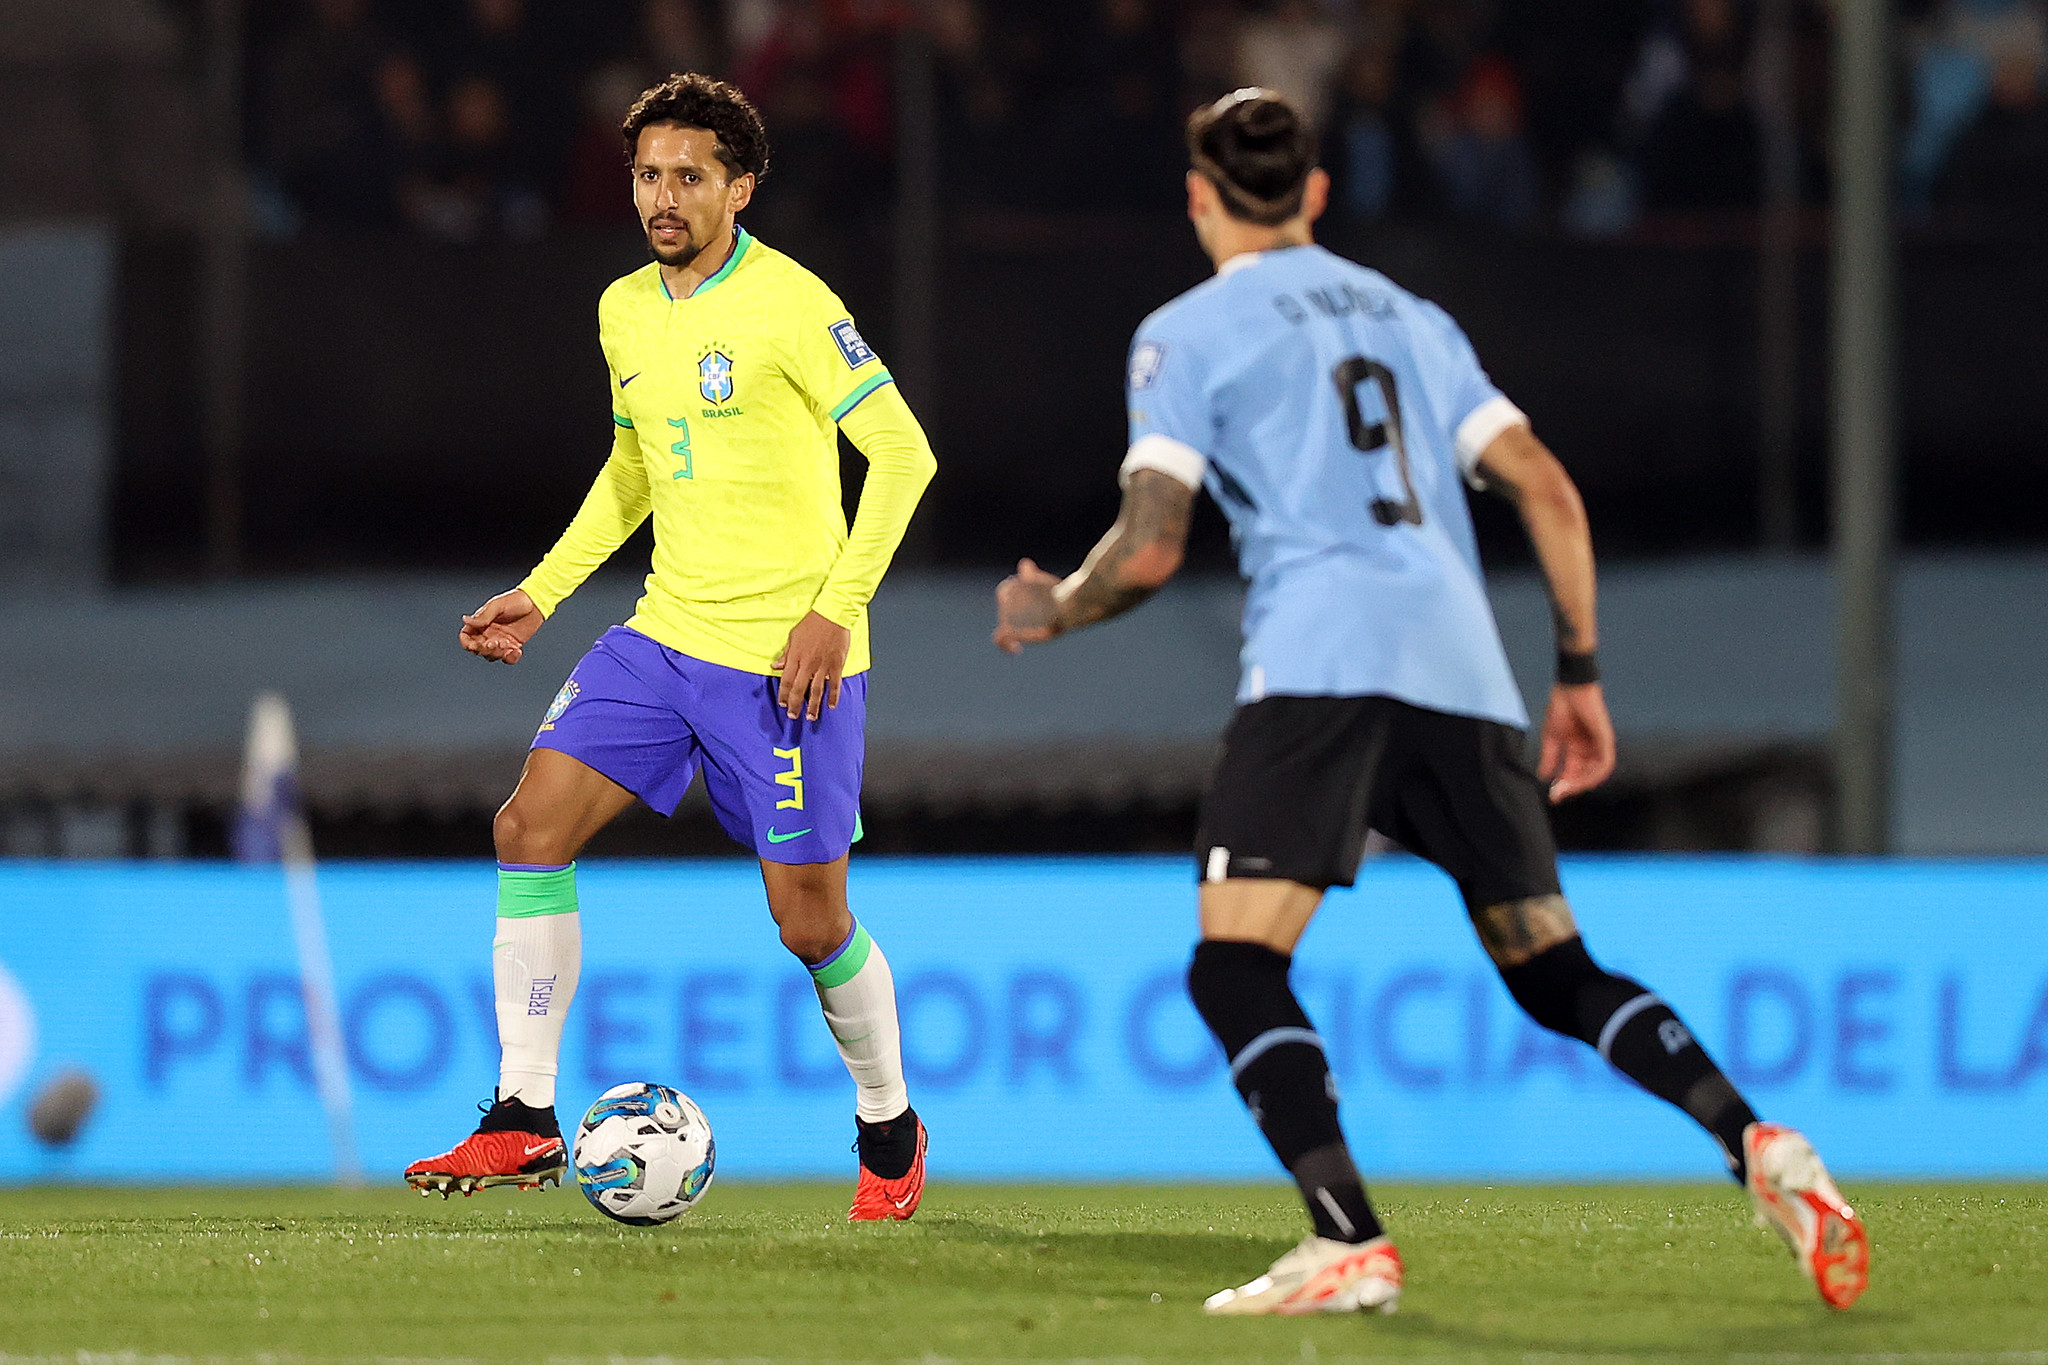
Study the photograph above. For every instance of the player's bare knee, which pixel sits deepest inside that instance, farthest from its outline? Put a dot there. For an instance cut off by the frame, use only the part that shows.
(810, 943)
(812, 926)
(518, 839)
(508, 832)
(808, 903)
(1516, 931)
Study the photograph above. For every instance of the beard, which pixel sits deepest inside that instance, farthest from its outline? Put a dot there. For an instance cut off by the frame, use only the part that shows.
(687, 249)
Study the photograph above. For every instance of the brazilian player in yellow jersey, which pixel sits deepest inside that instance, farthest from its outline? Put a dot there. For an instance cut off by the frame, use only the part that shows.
(732, 372)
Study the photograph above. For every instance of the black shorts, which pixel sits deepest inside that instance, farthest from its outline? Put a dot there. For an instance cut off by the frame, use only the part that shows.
(1302, 780)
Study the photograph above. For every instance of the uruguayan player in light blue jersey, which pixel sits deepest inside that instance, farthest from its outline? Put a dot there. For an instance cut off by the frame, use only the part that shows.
(1338, 420)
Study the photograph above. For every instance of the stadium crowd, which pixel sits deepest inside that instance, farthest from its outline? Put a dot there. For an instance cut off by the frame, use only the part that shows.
(455, 119)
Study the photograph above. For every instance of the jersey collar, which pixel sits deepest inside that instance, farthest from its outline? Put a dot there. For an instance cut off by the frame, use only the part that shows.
(742, 239)
(1245, 260)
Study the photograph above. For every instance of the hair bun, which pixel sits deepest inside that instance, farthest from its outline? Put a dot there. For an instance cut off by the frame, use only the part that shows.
(1255, 146)
(1266, 121)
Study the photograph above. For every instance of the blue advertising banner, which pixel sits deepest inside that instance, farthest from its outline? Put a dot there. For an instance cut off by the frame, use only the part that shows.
(1896, 1011)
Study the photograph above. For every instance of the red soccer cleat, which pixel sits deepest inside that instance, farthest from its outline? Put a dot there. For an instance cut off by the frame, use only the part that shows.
(1794, 1195)
(877, 1200)
(514, 1145)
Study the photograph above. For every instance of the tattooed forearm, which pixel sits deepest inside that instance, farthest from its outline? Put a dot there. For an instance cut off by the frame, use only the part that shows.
(1100, 596)
(1522, 470)
(1138, 555)
(1515, 931)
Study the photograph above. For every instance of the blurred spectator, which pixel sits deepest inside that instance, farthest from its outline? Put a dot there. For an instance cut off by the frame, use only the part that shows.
(1474, 141)
(595, 189)
(822, 81)
(410, 130)
(1208, 52)
(1978, 56)
(1294, 48)
(1602, 199)
(510, 86)
(960, 41)
(749, 24)
(1364, 145)
(676, 37)
(480, 187)
(1480, 109)
(322, 135)
(1686, 112)
(1117, 100)
(1573, 57)
(2000, 163)
(1444, 39)
(1132, 63)
(669, 36)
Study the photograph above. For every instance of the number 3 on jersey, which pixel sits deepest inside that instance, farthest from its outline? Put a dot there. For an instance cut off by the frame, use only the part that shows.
(1367, 437)
(682, 448)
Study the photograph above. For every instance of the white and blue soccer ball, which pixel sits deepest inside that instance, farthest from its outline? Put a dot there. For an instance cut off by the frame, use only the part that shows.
(644, 1154)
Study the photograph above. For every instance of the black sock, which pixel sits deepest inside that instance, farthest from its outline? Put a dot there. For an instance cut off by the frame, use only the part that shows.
(1277, 1062)
(1335, 1195)
(888, 1149)
(1564, 990)
(517, 1116)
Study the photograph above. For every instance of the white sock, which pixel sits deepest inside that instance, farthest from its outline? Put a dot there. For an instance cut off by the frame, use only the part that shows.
(858, 996)
(535, 961)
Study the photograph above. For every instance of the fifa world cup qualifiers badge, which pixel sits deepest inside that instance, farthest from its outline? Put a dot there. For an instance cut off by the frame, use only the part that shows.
(851, 347)
(1145, 362)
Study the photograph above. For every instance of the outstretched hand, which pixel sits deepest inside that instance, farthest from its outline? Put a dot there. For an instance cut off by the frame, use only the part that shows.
(1027, 613)
(811, 665)
(500, 628)
(1578, 741)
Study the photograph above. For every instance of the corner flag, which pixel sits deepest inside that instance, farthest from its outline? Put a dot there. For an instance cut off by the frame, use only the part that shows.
(271, 827)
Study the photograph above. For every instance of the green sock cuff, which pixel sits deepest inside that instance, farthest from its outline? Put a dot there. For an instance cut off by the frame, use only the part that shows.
(522, 895)
(845, 964)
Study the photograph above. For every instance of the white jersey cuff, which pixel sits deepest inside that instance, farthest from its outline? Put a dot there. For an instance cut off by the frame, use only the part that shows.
(1175, 459)
(1479, 429)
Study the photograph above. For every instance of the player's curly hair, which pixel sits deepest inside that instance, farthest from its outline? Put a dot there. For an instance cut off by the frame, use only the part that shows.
(1257, 150)
(694, 100)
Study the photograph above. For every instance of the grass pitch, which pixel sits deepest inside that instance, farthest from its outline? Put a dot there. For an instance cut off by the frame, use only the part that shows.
(1040, 1272)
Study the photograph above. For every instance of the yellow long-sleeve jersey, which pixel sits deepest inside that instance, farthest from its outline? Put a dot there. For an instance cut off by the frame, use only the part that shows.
(726, 407)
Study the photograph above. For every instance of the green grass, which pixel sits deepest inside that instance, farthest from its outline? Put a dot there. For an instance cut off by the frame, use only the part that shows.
(1066, 1272)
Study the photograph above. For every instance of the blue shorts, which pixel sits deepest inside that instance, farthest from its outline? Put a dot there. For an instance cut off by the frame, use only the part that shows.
(648, 718)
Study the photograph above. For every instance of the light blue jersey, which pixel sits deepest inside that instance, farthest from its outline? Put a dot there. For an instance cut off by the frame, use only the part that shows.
(1331, 414)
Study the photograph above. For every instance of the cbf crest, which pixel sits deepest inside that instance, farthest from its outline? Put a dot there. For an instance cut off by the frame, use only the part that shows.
(568, 694)
(714, 377)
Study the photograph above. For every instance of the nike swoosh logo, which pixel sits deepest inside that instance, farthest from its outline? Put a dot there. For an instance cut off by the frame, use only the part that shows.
(629, 379)
(906, 1199)
(775, 838)
(536, 1151)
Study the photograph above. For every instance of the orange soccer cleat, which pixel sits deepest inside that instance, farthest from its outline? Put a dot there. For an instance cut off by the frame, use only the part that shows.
(514, 1145)
(876, 1199)
(1794, 1195)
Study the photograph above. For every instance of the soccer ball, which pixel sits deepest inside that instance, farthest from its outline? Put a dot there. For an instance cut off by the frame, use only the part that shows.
(643, 1154)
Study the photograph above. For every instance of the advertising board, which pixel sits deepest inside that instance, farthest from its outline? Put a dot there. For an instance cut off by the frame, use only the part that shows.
(1896, 1011)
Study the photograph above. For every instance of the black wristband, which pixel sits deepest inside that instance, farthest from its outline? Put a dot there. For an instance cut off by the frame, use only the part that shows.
(1576, 670)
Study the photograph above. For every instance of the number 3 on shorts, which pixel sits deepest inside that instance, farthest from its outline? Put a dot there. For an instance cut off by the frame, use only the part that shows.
(793, 779)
